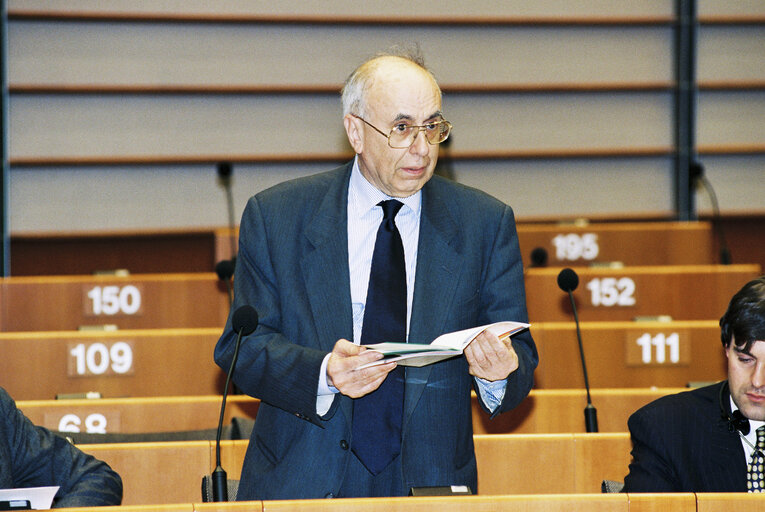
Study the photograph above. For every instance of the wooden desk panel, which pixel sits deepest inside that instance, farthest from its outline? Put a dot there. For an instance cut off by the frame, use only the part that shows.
(550, 463)
(664, 502)
(613, 353)
(140, 301)
(162, 473)
(543, 411)
(547, 503)
(138, 415)
(174, 507)
(631, 243)
(727, 501)
(507, 464)
(692, 292)
(516, 463)
(155, 363)
(552, 411)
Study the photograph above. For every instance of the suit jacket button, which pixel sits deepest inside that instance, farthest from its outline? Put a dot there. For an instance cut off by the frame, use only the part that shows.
(344, 444)
(329, 495)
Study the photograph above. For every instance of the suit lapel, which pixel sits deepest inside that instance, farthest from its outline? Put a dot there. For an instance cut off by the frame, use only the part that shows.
(438, 269)
(325, 265)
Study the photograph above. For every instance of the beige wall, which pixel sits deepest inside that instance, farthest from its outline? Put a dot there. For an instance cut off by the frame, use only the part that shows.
(59, 53)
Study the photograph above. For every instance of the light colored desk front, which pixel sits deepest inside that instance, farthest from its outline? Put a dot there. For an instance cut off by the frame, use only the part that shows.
(684, 292)
(543, 411)
(629, 354)
(139, 301)
(150, 362)
(679, 502)
(171, 472)
(631, 243)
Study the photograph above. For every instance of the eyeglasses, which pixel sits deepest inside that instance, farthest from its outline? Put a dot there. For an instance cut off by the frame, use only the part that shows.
(403, 135)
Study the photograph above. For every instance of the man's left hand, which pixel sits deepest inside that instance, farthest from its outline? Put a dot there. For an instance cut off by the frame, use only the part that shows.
(491, 359)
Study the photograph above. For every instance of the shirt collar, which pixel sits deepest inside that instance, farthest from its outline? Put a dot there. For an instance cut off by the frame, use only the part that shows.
(363, 196)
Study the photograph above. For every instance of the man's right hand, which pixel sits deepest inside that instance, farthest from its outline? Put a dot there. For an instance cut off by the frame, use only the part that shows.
(342, 370)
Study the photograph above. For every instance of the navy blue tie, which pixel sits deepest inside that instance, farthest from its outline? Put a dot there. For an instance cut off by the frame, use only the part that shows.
(377, 416)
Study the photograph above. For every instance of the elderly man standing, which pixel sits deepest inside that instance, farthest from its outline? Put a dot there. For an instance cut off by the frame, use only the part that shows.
(377, 250)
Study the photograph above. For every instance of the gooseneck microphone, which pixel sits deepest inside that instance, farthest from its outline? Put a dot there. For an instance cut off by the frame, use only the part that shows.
(244, 322)
(225, 270)
(568, 280)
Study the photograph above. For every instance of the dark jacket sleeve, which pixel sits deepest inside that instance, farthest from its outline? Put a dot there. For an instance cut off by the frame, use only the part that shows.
(650, 469)
(39, 458)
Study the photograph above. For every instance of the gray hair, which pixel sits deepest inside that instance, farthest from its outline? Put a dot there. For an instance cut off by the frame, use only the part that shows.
(358, 83)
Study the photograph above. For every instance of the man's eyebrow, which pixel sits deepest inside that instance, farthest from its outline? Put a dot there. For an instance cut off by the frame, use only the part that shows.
(742, 351)
(407, 117)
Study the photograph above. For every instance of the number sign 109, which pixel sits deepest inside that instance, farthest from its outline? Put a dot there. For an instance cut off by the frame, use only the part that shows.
(100, 359)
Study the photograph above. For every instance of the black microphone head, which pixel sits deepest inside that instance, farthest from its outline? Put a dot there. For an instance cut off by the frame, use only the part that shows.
(245, 320)
(539, 257)
(224, 169)
(568, 280)
(224, 269)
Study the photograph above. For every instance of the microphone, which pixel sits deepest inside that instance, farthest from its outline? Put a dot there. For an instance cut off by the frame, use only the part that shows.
(697, 176)
(539, 257)
(568, 280)
(224, 174)
(244, 322)
(225, 270)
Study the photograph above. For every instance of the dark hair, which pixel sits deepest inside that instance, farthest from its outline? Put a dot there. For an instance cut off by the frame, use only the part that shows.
(744, 321)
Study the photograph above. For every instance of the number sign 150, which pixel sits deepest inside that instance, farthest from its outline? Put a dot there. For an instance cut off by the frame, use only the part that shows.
(113, 300)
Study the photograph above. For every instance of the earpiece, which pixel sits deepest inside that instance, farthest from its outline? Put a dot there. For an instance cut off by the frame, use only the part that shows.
(736, 420)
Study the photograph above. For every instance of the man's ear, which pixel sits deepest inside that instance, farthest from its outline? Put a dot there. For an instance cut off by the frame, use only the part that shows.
(355, 132)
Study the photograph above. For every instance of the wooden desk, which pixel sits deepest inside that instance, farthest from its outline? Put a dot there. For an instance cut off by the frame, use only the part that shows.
(629, 354)
(689, 292)
(631, 243)
(562, 411)
(524, 503)
(727, 501)
(158, 473)
(550, 463)
(140, 301)
(666, 502)
(155, 362)
(507, 464)
(173, 507)
(543, 411)
(137, 415)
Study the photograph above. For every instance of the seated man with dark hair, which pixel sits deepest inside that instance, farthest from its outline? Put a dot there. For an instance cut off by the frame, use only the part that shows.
(32, 456)
(710, 439)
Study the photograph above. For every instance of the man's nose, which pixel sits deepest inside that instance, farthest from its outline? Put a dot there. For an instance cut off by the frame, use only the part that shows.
(420, 143)
(758, 376)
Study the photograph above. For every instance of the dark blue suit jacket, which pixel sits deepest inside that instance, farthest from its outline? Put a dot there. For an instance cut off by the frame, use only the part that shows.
(32, 456)
(682, 443)
(293, 268)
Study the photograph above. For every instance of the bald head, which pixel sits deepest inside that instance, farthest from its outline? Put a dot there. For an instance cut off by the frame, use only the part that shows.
(377, 71)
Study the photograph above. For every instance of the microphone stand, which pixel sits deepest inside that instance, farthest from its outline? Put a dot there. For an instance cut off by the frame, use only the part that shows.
(590, 413)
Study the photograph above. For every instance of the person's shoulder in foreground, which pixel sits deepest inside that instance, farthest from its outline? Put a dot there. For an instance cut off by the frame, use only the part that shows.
(33, 456)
